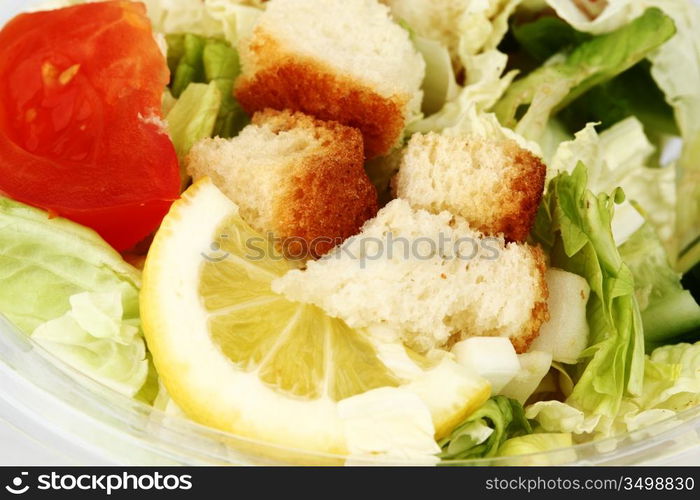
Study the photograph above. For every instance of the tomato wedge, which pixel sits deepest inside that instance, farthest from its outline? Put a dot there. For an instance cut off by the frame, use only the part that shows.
(80, 128)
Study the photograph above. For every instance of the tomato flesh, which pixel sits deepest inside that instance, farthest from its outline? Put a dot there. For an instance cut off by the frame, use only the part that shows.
(80, 129)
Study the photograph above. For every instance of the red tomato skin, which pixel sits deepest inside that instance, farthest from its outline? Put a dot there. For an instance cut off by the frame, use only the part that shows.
(80, 119)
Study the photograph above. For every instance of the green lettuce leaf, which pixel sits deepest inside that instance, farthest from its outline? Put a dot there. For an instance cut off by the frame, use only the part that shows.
(545, 36)
(674, 383)
(633, 93)
(237, 17)
(195, 59)
(485, 84)
(536, 445)
(440, 83)
(566, 77)
(576, 227)
(62, 283)
(671, 385)
(675, 66)
(182, 16)
(668, 311)
(484, 431)
(616, 158)
(193, 117)
(94, 338)
(556, 416)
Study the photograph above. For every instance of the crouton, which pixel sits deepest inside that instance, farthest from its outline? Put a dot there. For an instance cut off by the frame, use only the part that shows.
(297, 177)
(340, 60)
(428, 279)
(494, 184)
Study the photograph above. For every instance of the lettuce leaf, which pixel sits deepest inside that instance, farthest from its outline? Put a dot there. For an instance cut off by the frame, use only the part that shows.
(479, 28)
(62, 283)
(618, 158)
(440, 84)
(675, 66)
(484, 86)
(537, 35)
(536, 445)
(576, 227)
(193, 117)
(673, 382)
(671, 385)
(668, 311)
(633, 93)
(566, 77)
(621, 157)
(182, 16)
(544, 36)
(194, 59)
(484, 431)
(556, 416)
(237, 17)
(468, 111)
(94, 338)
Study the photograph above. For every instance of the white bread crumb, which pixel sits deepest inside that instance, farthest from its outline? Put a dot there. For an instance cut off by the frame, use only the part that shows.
(431, 298)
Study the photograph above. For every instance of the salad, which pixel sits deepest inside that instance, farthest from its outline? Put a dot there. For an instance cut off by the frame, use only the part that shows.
(397, 230)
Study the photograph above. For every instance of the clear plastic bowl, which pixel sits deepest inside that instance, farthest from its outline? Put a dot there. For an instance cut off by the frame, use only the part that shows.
(87, 416)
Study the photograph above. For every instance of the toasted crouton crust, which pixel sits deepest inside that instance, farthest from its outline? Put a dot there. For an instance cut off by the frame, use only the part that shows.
(540, 311)
(298, 177)
(494, 184)
(327, 197)
(522, 199)
(289, 81)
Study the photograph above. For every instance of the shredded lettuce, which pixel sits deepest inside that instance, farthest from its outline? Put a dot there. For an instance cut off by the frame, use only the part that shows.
(617, 158)
(193, 117)
(676, 69)
(194, 59)
(544, 36)
(675, 66)
(668, 311)
(231, 19)
(633, 93)
(540, 36)
(671, 385)
(478, 29)
(484, 86)
(440, 84)
(537, 445)
(484, 431)
(94, 338)
(566, 77)
(65, 286)
(576, 227)
(182, 16)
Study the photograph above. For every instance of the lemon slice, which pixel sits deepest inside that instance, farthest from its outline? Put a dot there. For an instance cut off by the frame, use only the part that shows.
(236, 356)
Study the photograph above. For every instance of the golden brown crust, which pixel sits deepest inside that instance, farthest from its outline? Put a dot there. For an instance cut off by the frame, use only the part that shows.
(328, 196)
(289, 81)
(522, 196)
(540, 311)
